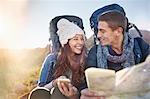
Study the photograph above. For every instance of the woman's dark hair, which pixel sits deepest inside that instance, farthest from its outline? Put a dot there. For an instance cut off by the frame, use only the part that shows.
(68, 61)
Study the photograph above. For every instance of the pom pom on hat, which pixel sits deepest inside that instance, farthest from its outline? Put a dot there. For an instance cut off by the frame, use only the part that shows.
(67, 30)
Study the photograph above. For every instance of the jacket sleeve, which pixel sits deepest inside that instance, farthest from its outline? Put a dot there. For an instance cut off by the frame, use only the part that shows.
(47, 70)
(145, 48)
(92, 57)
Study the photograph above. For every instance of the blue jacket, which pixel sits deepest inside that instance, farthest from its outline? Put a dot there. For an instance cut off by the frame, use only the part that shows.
(48, 69)
(141, 51)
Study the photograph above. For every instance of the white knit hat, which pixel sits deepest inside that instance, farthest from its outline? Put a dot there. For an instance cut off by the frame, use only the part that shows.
(67, 30)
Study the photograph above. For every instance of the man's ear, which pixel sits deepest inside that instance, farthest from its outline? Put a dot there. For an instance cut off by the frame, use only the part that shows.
(119, 31)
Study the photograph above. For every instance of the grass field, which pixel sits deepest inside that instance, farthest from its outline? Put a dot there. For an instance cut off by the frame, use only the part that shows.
(19, 71)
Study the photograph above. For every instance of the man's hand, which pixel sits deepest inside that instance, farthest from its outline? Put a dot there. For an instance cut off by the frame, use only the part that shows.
(86, 94)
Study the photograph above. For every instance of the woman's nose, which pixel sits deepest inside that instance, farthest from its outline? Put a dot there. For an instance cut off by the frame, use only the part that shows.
(80, 41)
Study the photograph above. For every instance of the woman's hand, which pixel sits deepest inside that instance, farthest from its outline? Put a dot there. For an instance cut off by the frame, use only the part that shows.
(86, 94)
(66, 88)
(60, 79)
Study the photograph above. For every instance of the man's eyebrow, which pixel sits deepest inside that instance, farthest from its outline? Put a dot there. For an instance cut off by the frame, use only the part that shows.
(101, 29)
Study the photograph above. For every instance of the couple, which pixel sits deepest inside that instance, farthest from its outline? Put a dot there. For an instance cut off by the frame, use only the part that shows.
(64, 71)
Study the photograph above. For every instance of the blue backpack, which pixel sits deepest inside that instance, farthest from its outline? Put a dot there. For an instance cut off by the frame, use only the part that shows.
(106, 9)
(53, 29)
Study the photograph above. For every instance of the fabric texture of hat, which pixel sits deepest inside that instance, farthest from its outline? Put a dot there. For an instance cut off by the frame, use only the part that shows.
(67, 30)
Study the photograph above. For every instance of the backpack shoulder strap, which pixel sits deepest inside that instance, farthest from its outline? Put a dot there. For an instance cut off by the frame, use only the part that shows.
(137, 51)
(92, 57)
(144, 48)
(47, 69)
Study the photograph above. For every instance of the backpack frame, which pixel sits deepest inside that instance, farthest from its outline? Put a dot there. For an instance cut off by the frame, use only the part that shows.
(53, 29)
(107, 9)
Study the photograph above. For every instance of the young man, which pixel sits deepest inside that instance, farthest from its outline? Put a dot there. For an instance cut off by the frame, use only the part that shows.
(116, 49)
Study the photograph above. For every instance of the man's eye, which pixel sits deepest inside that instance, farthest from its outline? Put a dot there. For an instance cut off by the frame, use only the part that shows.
(102, 32)
(75, 39)
(82, 39)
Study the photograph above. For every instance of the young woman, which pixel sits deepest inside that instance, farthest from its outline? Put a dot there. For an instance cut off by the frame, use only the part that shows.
(64, 71)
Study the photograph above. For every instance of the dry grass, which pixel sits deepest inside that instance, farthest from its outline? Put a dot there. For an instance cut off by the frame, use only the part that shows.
(19, 71)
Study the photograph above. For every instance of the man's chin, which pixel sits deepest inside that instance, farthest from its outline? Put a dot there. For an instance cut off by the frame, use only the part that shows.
(104, 44)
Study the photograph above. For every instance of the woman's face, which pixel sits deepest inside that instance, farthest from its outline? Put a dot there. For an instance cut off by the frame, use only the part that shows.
(77, 43)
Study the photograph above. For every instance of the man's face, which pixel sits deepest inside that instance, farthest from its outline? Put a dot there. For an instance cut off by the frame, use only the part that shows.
(105, 34)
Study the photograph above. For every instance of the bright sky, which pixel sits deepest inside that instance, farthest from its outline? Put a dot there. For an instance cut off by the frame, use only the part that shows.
(24, 23)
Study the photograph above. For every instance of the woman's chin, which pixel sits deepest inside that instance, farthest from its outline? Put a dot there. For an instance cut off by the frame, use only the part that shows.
(78, 52)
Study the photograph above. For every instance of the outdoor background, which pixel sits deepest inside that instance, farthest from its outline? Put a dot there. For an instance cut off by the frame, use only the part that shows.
(24, 35)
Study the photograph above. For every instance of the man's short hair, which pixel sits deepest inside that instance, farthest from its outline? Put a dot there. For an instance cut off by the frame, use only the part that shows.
(114, 20)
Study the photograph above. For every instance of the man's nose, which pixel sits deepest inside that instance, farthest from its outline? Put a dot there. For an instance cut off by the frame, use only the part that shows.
(99, 35)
